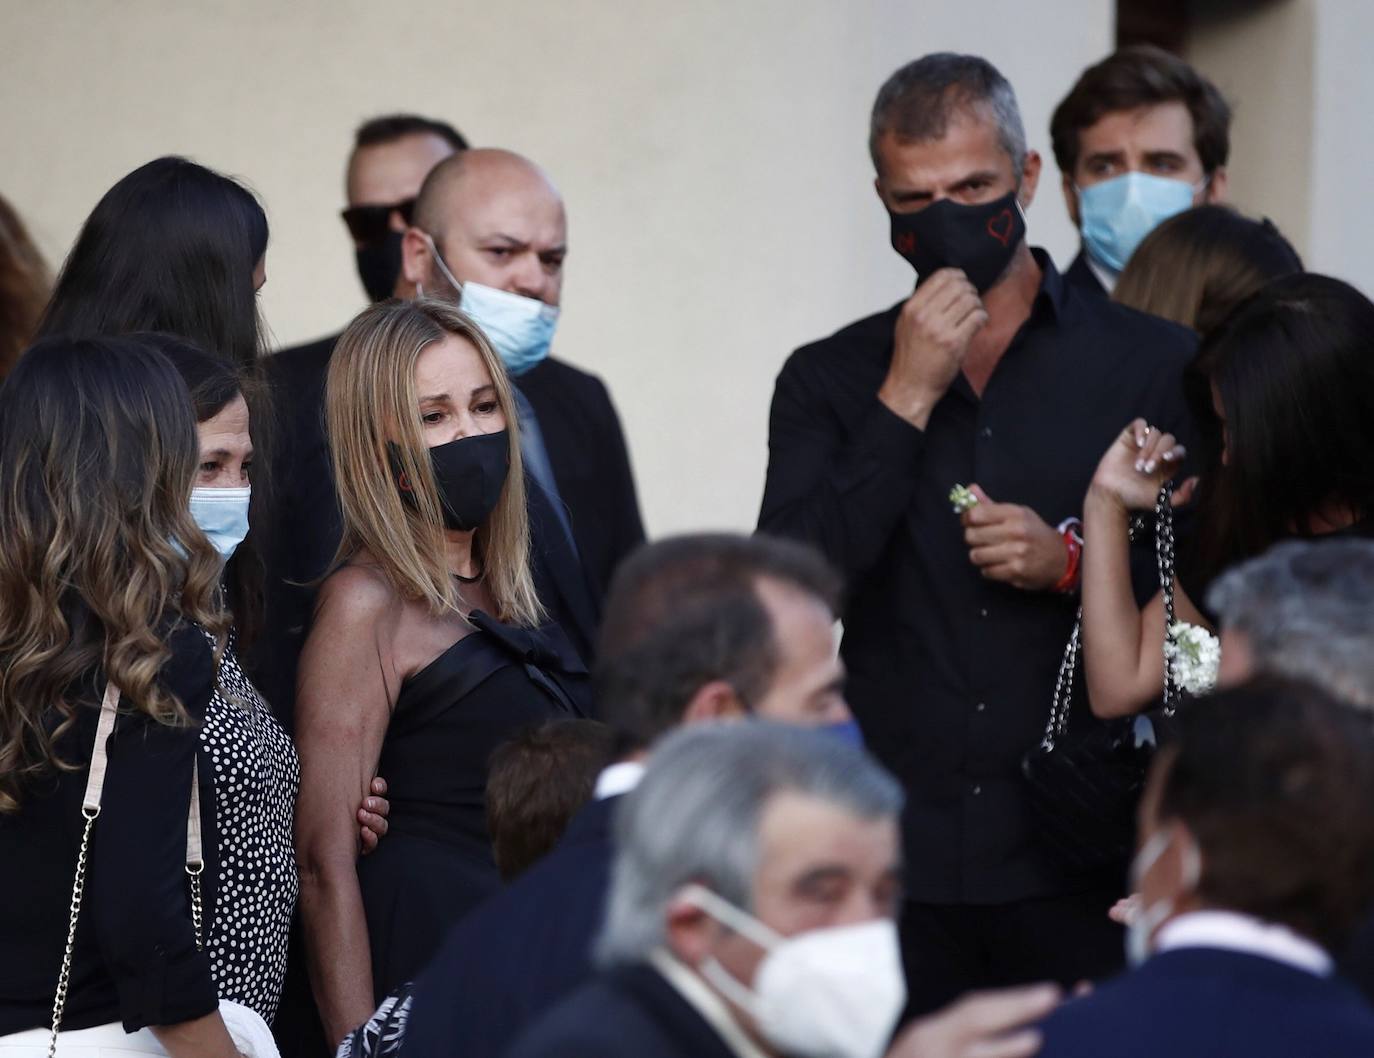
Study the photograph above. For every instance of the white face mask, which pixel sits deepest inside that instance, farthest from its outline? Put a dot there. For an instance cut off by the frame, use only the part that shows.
(826, 993)
(519, 328)
(1140, 930)
(222, 515)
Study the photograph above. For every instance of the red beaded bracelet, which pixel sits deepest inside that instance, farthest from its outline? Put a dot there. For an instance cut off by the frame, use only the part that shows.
(1073, 544)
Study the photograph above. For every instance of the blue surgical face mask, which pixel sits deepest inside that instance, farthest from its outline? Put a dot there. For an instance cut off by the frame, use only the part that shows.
(1118, 213)
(519, 328)
(846, 731)
(222, 515)
(1140, 931)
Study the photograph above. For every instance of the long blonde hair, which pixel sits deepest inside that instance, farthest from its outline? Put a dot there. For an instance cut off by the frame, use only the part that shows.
(99, 556)
(371, 399)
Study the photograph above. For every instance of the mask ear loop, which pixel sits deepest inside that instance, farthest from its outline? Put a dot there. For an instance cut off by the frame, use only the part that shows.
(728, 915)
(439, 260)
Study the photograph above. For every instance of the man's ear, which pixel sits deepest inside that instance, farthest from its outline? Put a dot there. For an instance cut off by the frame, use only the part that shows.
(1071, 199)
(1030, 180)
(1218, 189)
(714, 702)
(878, 189)
(688, 931)
(416, 257)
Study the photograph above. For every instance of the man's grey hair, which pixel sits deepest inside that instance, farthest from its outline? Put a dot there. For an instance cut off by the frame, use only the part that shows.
(917, 102)
(695, 817)
(1307, 610)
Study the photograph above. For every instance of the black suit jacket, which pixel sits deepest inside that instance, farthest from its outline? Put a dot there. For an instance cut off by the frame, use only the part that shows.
(1081, 276)
(628, 1012)
(520, 952)
(591, 464)
(1208, 1003)
(305, 527)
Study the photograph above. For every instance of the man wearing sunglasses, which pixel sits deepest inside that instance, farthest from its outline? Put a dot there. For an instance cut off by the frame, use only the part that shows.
(390, 159)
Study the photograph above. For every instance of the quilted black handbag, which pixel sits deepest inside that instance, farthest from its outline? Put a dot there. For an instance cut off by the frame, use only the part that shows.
(1085, 783)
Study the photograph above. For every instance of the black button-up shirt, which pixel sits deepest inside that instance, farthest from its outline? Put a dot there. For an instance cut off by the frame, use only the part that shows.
(951, 675)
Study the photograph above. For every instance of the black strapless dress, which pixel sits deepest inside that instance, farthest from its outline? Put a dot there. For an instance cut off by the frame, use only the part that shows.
(435, 864)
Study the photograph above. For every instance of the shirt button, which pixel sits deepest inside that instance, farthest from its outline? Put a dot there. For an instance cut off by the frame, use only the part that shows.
(986, 432)
(981, 707)
(977, 790)
(983, 612)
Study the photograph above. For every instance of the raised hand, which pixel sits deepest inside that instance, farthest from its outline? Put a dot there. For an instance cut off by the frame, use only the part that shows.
(1136, 465)
(932, 335)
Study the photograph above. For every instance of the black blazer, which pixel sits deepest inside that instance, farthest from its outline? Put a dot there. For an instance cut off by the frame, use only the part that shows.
(1081, 276)
(516, 955)
(305, 525)
(1208, 1003)
(628, 1012)
(590, 463)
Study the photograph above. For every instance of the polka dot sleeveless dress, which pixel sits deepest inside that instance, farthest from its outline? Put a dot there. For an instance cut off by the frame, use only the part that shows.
(256, 776)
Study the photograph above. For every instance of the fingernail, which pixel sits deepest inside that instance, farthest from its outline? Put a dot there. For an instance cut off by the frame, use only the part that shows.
(1150, 467)
(1140, 465)
(371, 803)
(1170, 456)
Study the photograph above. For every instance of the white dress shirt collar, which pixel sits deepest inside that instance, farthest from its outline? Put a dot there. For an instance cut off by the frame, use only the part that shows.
(1232, 931)
(618, 779)
(1105, 276)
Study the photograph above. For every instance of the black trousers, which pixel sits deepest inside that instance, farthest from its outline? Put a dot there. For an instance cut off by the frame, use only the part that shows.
(950, 949)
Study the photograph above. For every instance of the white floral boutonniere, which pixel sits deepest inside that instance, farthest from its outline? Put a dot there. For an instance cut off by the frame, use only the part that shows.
(961, 499)
(1193, 655)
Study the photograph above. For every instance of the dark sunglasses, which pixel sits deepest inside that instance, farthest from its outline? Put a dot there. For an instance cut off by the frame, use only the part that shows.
(369, 224)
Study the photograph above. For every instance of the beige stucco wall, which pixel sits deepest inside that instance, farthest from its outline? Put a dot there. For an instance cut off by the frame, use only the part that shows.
(1302, 144)
(712, 155)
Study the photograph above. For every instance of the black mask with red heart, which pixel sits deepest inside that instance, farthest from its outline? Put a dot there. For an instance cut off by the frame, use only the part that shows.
(978, 240)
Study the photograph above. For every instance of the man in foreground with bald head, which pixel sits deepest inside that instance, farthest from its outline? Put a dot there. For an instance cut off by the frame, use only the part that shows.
(489, 229)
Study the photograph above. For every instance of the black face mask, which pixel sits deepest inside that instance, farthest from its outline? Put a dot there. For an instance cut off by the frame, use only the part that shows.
(379, 266)
(978, 240)
(469, 472)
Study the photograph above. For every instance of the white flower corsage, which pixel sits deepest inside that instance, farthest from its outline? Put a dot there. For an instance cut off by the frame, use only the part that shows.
(961, 499)
(1194, 655)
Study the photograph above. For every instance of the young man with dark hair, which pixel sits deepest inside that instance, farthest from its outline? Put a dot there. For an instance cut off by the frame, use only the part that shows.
(1141, 136)
(1256, 863)
(997, 375)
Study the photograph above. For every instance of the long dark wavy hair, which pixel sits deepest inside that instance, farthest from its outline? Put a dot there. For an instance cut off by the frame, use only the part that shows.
(1293, 371)
(98, 453)
(213, 384)
(171, 247)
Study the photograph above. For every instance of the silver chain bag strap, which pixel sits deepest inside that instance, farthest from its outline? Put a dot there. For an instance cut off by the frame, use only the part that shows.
(1084, 786)
(90, 810)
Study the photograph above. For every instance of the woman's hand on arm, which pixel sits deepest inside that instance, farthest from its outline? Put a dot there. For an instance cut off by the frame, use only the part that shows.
(343, 705)
(1123, 647)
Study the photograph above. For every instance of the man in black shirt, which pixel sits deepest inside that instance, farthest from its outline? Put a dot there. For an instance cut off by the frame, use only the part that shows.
(997, 375)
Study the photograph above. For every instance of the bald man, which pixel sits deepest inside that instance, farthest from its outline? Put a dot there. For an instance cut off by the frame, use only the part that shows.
(490, 230)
